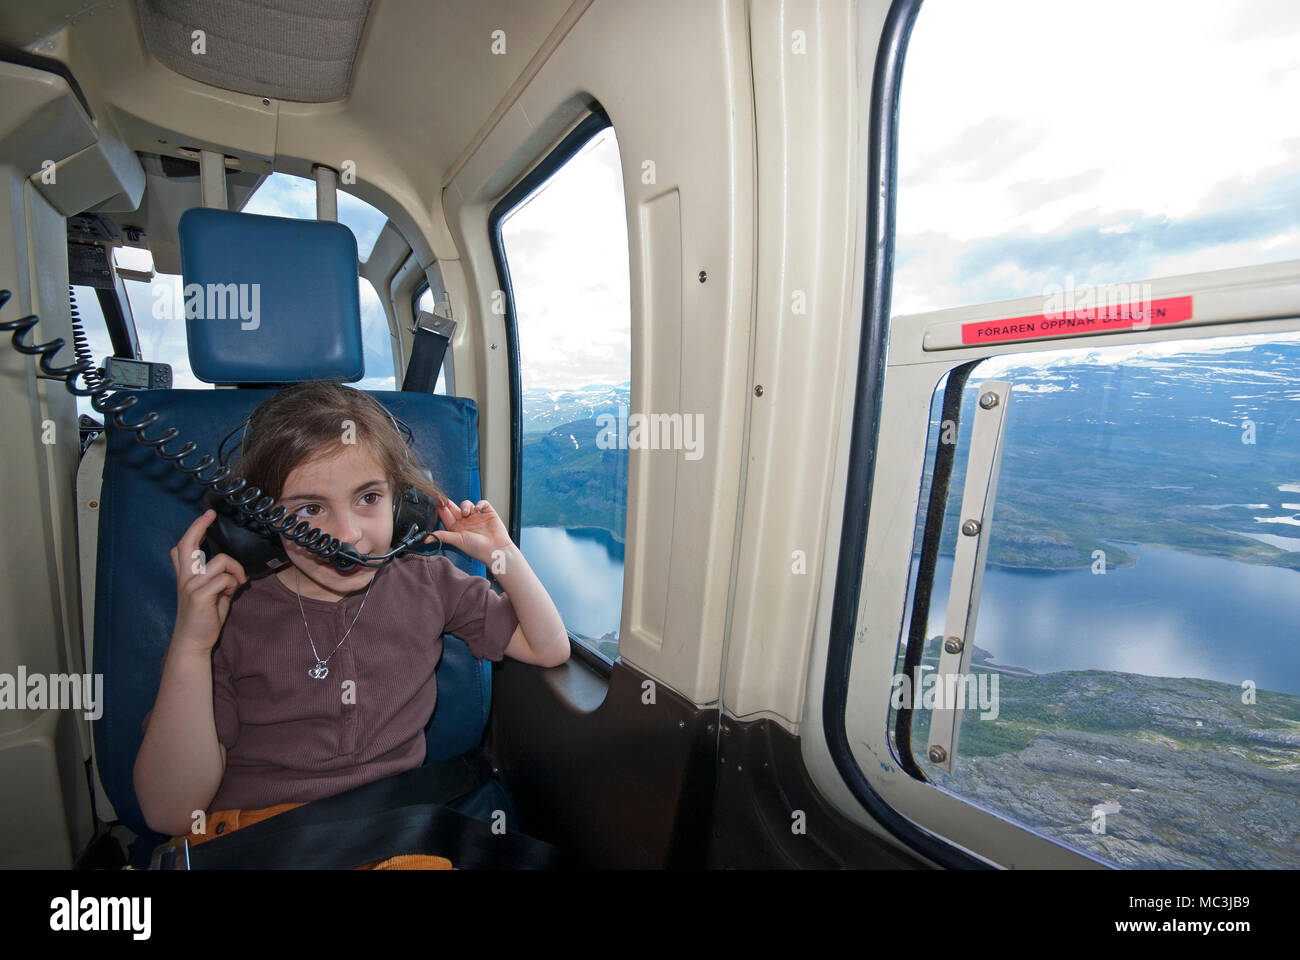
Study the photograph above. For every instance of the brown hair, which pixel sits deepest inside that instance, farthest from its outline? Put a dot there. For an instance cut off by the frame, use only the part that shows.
(304, 422)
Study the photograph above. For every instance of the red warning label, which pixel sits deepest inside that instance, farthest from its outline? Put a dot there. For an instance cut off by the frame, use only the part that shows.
(1107, 316)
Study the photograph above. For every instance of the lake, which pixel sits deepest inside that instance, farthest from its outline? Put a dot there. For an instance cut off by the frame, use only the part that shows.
(582, 570)
(1174, 614)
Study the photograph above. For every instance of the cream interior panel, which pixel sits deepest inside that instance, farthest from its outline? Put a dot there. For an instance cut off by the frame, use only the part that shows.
(807, 116)
(105, 170)
(656, 385)
(90, 478)
(402, 288)
(41, 752)
(445, 53)
(41, 122)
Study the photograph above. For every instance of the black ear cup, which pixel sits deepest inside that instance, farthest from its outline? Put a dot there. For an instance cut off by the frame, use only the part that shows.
(413, 507)
(256, 552)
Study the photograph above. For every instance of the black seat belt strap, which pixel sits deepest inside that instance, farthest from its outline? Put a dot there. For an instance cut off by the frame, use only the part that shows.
(400, 814)
(351, 842)
(432, 335)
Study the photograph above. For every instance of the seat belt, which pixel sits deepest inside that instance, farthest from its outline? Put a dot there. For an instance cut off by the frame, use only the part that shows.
(398, 815)
(432, 334)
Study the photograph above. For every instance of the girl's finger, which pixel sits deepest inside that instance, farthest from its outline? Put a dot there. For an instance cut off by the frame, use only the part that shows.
(225, 562)
(215, 585)
(192, 537)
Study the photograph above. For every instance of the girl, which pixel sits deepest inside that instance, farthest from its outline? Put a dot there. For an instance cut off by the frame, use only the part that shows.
(323, 680)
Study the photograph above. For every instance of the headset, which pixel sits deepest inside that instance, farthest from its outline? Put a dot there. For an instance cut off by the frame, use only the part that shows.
(257, 546)
(249, 534)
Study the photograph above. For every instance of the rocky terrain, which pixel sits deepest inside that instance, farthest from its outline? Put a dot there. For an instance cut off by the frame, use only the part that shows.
(1200, 779)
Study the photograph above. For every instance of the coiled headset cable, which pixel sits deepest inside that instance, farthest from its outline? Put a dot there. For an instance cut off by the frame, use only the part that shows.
(260, 517)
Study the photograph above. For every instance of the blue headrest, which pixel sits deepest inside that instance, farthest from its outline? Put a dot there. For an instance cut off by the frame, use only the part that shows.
(276, 299)
(145, 506)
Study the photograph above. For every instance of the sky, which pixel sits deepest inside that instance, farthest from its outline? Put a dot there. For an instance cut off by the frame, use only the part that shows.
(1103, 142)
(567, 250)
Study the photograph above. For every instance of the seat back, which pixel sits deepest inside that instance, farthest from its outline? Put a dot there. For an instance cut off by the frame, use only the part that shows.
(146, 504)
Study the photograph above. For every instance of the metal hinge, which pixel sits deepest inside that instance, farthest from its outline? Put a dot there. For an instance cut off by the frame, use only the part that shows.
(976, 518)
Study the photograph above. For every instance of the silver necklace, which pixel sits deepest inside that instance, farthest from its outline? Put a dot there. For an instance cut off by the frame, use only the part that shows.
(321, 671)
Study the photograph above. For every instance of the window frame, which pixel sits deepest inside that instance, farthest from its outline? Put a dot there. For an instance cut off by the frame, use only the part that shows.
(586, 130)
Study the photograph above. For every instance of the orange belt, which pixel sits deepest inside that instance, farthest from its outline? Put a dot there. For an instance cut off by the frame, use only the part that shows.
(222, 822)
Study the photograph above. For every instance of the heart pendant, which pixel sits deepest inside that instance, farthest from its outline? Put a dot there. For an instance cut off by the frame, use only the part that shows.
(319, 672)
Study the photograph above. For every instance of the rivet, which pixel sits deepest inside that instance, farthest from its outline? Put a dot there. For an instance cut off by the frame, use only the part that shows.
(703, 276)
(989, 401)
(953, 645)
(970, 528)
(758, 390)
(938, 754)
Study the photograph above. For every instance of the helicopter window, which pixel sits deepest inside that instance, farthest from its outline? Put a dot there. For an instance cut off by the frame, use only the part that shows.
(1136, 688)
(286, 195)
(1130, 695)
(86, 304)
(376, 342)
(424, 301)
(564, 247)
(158, 312)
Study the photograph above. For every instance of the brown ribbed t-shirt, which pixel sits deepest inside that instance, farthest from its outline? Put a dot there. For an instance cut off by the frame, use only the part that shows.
(292, 738)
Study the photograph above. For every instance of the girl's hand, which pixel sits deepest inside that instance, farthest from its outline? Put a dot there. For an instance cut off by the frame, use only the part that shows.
(474, 528)
(203, 589)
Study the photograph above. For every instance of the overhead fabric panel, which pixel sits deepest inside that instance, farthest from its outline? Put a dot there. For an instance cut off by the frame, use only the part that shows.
(283, 49)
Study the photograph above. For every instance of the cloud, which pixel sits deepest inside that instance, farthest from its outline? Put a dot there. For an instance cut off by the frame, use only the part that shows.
(977, 153)
(566, 248)
(1117, 147)
(1257, 223)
